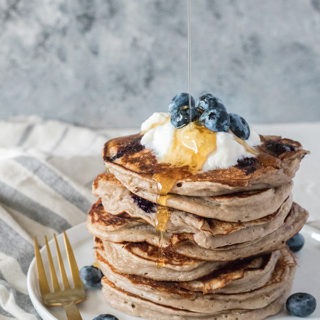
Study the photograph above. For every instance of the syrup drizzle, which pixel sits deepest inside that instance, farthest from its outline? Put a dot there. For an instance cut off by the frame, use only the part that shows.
(190, 148)
(189, 50)
(164, 185)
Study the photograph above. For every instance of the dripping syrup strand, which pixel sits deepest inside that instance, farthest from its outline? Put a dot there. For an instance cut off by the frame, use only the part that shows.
(189, 51)
(163, 214)
(165, 184)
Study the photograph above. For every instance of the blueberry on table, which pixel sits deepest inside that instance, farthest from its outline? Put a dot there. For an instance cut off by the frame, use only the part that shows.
(91, 276)
(105, 317)
(296, 242)
(208, 101)
(239, 126)
(181, 112)
(301, 304)
(216, 118)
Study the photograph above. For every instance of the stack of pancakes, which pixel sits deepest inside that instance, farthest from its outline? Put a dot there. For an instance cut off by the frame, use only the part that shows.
(209, 245)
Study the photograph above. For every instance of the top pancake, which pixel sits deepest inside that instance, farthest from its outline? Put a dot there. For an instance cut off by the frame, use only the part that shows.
(276, 163)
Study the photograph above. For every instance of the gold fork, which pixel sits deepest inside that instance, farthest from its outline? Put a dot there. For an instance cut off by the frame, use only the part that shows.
(68, 296)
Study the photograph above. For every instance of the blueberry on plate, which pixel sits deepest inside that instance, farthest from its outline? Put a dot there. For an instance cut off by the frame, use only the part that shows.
(239, 126)
(208, 101)
(180, 111)
(105, 317)
(296, 242)
(216, 118)
(301, 304)
(91, 277)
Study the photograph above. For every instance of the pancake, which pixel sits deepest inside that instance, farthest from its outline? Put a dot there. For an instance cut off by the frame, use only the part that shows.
(108, 222)
(223, 234)
(120, 228)
(219, 235)
(134, 166)
(237, 276)
(244, 206)
(171, 301)
(142, 259)
(255, 272)
(134, 305)
(273, 241)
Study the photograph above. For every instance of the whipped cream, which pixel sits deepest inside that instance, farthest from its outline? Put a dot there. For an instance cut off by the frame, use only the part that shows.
(159, 136)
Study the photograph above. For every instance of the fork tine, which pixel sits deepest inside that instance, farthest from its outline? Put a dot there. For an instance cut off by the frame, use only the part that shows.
(61, 265)
(54, 279)
(72, 263)
(43, 282)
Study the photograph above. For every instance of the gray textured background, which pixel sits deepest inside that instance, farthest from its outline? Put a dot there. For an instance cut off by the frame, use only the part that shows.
(111, 63)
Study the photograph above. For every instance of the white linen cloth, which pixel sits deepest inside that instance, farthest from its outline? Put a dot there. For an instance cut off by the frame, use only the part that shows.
(46, 171)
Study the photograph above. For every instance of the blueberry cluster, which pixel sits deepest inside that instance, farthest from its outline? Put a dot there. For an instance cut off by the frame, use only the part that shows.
(209, 111)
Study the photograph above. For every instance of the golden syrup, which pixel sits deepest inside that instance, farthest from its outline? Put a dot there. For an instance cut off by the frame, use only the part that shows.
(162, 218)
(191, 147)
(164, 184)
(161, 259)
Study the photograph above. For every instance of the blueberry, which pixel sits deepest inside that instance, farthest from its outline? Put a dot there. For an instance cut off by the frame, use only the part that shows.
(208, 101)
(180, 119)
(296, 242)
(181, 113)
(180, 100)
(278, 147)
(216, 118)
(239, 126)
(91, 276)
(301, 304)
(105, 317)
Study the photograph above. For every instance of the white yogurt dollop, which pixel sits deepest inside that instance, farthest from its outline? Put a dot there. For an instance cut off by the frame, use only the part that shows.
(159, 136)
(229, 151)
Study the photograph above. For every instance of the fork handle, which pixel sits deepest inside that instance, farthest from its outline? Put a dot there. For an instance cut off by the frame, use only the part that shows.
(72, 312)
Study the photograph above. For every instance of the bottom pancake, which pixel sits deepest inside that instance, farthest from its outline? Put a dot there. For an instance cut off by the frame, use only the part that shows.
(134, 305)
(160, 300)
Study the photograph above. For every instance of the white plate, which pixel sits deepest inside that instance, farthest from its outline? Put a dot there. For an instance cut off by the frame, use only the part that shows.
(307, 277)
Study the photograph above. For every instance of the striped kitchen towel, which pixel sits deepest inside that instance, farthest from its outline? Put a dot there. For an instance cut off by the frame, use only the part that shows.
(46, 171)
